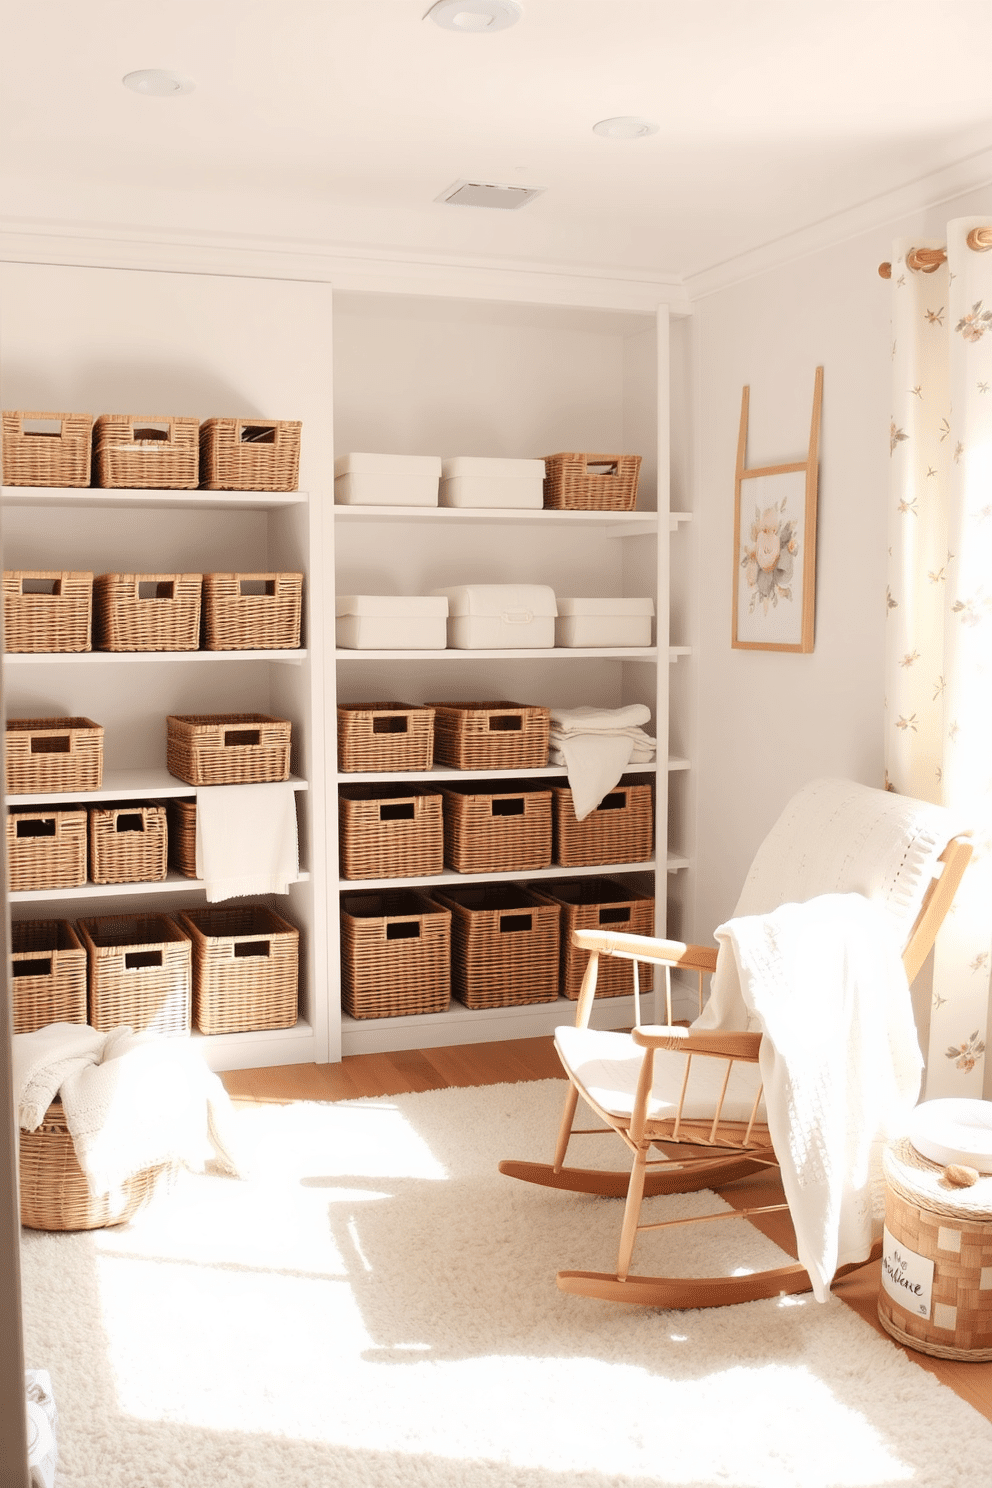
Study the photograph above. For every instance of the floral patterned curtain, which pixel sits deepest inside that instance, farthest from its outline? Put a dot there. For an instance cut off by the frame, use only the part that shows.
(938, 723)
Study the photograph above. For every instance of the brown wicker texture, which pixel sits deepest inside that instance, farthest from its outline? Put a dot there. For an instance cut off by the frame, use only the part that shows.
(395, 954)
(146, 612)
(385, 736)
(506, 830)
(45, 849)
(599, 904)
(44, 610)
(49, 755)
(504, 946)
(250, 454)
(246, 968)
(48, 974)
(575, 482)
(227, 748)
(389, 833)
(52, 457)
(491, 736)
(952, 1227)
(128, 843)
(149, 451)
(140, 973)
(53, 1188)
(180, 815)
(620, 830)
(252, 611)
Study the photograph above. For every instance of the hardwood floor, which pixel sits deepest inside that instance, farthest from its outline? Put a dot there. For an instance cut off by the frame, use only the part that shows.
(535, 1059)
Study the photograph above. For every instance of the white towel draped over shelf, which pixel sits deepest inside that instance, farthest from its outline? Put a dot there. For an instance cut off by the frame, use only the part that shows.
(596, 746)
(246, 839)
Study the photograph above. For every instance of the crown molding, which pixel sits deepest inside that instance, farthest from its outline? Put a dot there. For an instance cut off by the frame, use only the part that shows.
(932, 190)
(372, 269)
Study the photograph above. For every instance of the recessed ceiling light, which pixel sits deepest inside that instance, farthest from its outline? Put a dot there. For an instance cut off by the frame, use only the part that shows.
(155, 82)
(625, 127)
(476, 15)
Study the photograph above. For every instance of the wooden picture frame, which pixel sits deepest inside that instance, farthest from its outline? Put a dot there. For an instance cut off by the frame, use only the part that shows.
(775, 545)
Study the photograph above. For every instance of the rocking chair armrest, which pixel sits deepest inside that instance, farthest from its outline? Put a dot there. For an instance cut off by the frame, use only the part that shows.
(647, 948)
(729, 1045)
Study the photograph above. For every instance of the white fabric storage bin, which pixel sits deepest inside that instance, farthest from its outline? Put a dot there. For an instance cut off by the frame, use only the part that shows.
(500, 617)
(468, 481)
(386, 480)
(390, 622)
(604, 622)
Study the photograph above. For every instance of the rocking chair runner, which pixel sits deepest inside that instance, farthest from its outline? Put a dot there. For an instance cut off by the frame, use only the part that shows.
(697, 1095)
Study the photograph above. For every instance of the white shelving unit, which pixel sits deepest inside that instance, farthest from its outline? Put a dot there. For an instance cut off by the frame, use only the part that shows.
(425, 377)
(131, 693)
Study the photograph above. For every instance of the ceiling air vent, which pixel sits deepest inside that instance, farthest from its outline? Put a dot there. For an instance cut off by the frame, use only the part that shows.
(488, 194)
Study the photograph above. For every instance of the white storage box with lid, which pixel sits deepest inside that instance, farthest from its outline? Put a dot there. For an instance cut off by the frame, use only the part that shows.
(386, 480)
(468, 481)
(604, 622)
(500, 617)
(391, 622)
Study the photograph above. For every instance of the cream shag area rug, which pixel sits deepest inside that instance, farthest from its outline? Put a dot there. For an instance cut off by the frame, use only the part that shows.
(374, 1305)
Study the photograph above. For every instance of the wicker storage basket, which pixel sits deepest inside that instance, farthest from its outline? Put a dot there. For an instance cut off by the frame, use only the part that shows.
(252, 611)
(933, 1224)
(53, 1188)
(507, 830)
(246, 968)
(47, 457)
(620, 830)
(395, 954)
(504, 945)
(146, 612)
(45, 849)
(491, 736)
(180, 816)
(44, 610)
(385, 736)
(227, 748)
(50, 755)
(145, 452)
(591, 482)
(249, 454)
(140, 973)
(128, 843)
(389, 832)
(596, 904)
(48, 974)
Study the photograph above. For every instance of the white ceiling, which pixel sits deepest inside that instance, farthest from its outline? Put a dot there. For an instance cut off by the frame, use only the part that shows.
(337, 122)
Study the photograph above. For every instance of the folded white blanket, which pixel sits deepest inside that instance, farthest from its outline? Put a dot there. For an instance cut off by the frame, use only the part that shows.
(596, 745)
(840, 1059)
(246, 839)
(131, 1101)
(585, 720)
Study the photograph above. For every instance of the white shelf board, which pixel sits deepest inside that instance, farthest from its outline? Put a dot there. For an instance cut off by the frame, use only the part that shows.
(461, 1025)
(677, 763)
(149, 499)
(172, 883)
(676, 862)
(259, 1048)
(676, 518)
(615, 523)
(536, 653)
(122, 785)
(442, 772)
(674, 652)
(154, 658)
(596, 870)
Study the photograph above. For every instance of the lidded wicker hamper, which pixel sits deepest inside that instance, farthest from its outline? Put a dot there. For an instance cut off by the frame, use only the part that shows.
(47, 610)
(141, 452)
(147, 612)
(249, 454)
(50, 456)
(582, 482)
(48, 974)
(252, 611)
(246, 962)
(128, 843)
(491, 736)
(395, 954)
(53, 755)
(504, 830)
(504, 945)
(619, 830)
(45, 849)
(389, 832)
(599, 904)
(139, 973)
(227, 748)
(385, 736)
(53, 1189)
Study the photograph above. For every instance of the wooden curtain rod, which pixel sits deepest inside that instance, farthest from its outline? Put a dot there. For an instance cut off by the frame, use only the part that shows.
(926, 260)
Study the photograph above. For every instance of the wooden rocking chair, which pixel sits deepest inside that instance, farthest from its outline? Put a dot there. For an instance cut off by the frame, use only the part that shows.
(697, 1096)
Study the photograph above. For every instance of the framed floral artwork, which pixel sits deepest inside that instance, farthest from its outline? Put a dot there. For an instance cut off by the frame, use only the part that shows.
(775, 545)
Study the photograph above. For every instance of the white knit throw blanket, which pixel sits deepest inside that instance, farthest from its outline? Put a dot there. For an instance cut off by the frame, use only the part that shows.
(840, 1059)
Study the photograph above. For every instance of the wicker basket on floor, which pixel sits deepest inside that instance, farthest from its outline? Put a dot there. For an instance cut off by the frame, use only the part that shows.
(579, 482)
(147, 452)
(128, 843)
(491, 736)
(48, 974)
(47, 610)
(504, 945)
(246, 968)
(250, 454)
(395, 954)
(504, 830)
(45, 849)
(599, 904)
(53, 1189)
(389, 832)
(619, 830)
(228, 748)
(147, 612)
(140, 973)
(252, 611)
(385, 736)
(49, 457)
(53, 755)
